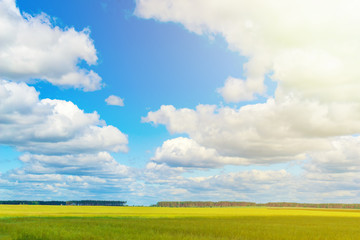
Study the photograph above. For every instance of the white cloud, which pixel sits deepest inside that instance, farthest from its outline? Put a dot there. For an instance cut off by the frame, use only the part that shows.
(27, 185)
(186, 152)
(236, 90)
(159, 173)
(164, 183)
(31, 47)
(263, 133)
(114, 100)
(309, 48)
(100, 164)
(52, 126)
(253, 180)
(343, 157)
(67, 150)
(94, 175)
(253, 185)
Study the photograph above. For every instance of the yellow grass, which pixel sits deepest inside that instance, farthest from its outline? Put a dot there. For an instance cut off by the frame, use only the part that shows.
(99, 211)
(24, 222)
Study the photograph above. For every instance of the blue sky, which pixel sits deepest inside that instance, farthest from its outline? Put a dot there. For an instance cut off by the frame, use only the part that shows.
(146, 63)
(241, 101)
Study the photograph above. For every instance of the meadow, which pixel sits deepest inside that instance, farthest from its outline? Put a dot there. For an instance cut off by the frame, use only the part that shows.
(83, 222)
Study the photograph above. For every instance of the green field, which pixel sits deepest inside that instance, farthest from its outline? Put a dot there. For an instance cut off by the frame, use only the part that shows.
(75, 222)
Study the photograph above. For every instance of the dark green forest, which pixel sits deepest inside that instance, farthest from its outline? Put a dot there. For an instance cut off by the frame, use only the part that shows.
(76, 203)
(252, 204)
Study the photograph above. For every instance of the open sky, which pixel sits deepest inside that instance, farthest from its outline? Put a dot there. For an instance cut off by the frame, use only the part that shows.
(153, 100)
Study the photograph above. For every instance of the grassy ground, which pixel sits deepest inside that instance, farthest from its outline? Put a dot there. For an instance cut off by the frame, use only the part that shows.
(62, 222)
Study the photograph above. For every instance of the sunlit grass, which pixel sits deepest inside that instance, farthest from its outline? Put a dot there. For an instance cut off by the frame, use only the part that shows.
(159, 212)
(75, 222)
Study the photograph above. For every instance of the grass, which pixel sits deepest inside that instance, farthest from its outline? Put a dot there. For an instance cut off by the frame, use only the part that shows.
(65, 222)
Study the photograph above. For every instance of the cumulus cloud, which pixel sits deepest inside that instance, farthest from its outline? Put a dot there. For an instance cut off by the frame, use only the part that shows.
(265, 133)
(186, 152)
(66, 151)
(246, 181)
(31, 47)
(236, 90)
(252, 185)
(52, 126)
(310, 48)
(100, 164)
(343, 157)
(22, 184)
(115, 101)
(161, 172)
(163, 182)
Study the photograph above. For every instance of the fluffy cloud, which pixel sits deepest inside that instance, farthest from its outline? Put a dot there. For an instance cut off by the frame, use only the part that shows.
(21, 184)
(309, 48)
(236, 90)
(166, 183)
(80, 176)
(52, 126)
(161, 173)
(310, 185)
(31, 47)
(186, 152)
(247, 181)
(67, 150)
(343, 157)
(265, 133)
(115, 101)
(100, 164)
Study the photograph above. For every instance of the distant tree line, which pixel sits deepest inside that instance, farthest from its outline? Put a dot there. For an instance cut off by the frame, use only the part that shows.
(76, 203)
(205, 204)
(21, 202)
(252, 204)
(311, 205)
(96, 203)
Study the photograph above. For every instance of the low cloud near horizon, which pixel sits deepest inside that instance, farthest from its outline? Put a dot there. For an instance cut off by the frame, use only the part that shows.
(63, 150)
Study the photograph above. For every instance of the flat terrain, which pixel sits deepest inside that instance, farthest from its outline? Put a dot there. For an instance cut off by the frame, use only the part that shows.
(74, 222)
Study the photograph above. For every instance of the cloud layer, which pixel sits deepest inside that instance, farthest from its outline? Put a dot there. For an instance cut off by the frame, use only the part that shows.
(262, 133)
(316, 98)
(311, 51)
(66, 150)
(31, 47)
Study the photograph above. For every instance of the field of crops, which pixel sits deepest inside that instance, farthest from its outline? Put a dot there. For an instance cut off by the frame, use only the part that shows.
(75, 222)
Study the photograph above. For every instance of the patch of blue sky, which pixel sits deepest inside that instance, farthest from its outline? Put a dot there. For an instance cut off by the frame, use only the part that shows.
(9, 158)
(146, 63)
